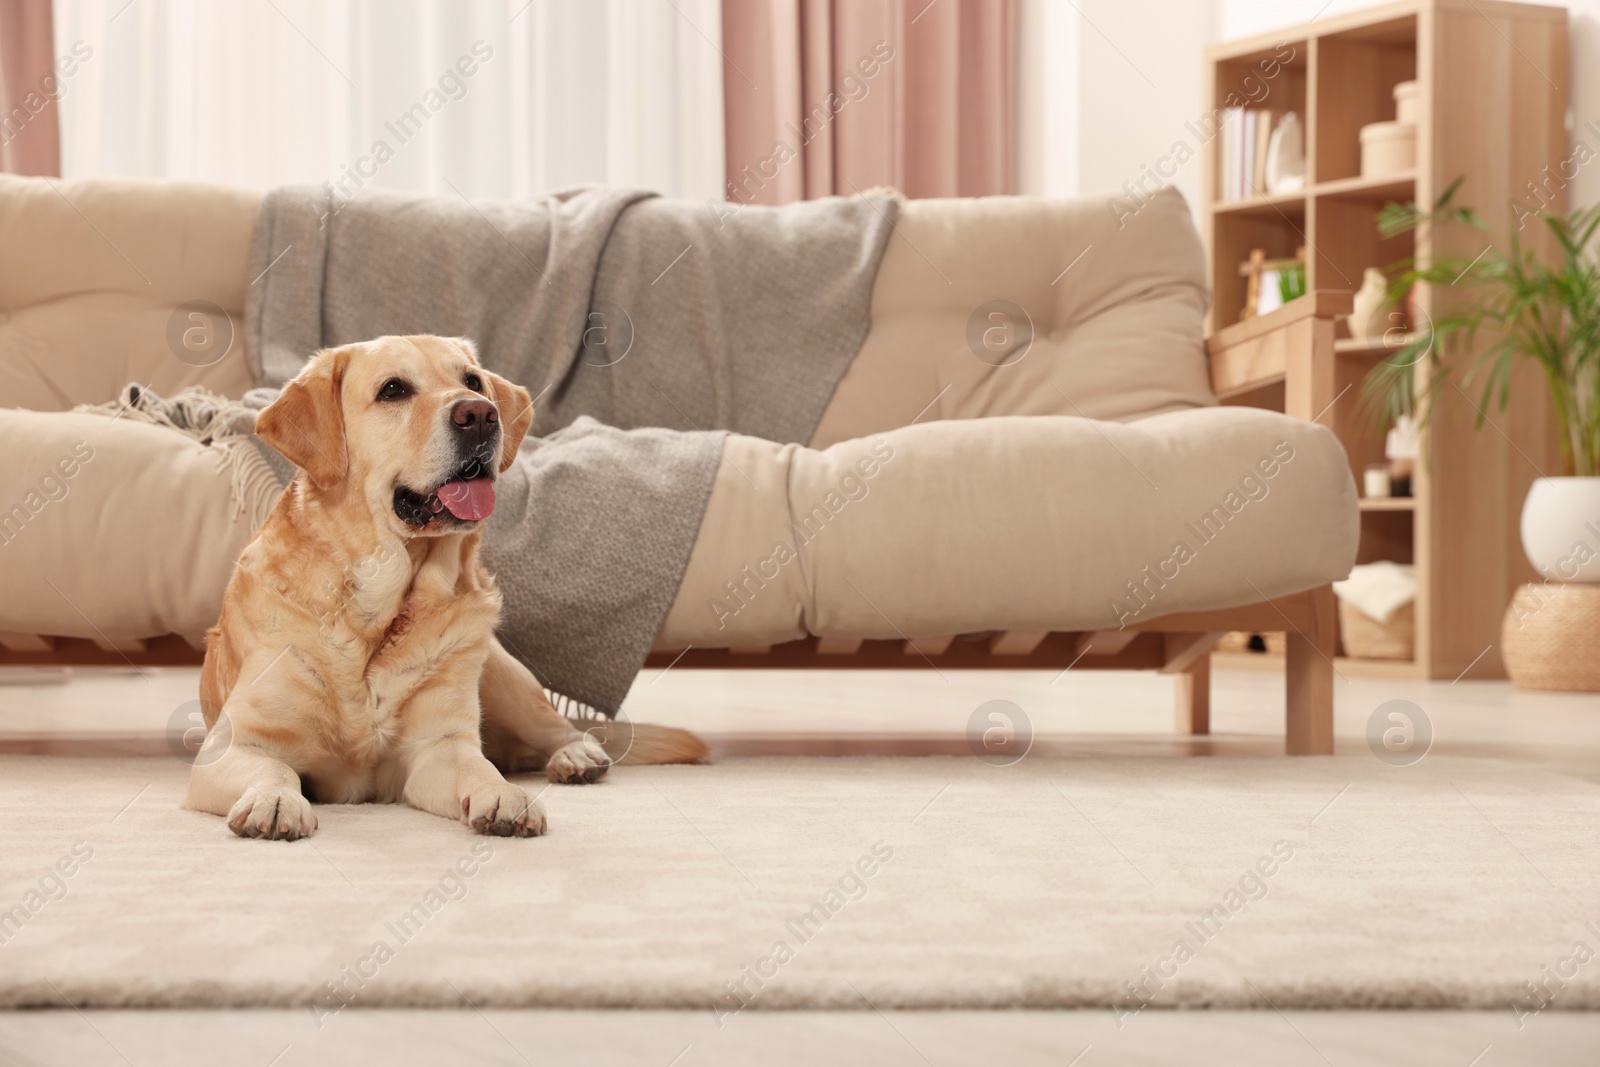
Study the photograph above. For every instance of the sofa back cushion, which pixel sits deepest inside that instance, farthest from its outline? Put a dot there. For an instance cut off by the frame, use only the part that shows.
(1028, 306)
(101, 283)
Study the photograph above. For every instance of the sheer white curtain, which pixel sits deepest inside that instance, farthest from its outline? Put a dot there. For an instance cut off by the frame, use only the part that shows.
(492, 98)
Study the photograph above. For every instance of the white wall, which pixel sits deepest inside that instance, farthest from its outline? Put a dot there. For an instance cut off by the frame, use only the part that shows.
(1047, 99)
(1103, 96)
(1139, 81)
(1246, 18)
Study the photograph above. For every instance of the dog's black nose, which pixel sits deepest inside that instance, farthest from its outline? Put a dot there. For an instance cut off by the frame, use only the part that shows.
(475, 417)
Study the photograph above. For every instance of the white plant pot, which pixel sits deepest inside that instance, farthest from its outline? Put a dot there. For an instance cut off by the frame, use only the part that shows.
(1561, 528)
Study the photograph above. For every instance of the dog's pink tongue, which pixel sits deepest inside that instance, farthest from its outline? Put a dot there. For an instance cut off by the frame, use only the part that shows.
(470, 500)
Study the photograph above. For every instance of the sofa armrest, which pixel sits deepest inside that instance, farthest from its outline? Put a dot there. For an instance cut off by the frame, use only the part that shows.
(1292, 345)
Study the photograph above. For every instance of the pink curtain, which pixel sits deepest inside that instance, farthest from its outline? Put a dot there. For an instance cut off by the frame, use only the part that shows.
(30, 134)
(836, 96)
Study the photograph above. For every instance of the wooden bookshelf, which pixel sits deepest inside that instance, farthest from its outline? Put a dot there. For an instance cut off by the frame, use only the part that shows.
(1493, 83)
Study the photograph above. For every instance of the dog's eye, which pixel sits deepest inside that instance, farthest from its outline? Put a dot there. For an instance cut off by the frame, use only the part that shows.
(394, 389)
(475, 383)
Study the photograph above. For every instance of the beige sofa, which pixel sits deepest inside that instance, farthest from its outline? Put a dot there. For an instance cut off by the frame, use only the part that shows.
(1054, 486)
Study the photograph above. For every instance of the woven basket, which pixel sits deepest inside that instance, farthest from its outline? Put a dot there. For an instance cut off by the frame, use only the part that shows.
(1365, 638)
(1550, 638)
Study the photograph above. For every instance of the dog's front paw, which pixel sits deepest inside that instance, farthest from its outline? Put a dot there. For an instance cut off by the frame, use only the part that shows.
(272, 814)
(581, 761)
(503, 810)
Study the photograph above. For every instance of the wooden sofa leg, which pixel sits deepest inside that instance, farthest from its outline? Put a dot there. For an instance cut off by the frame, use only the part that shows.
(1308, 676)
(1192, 708)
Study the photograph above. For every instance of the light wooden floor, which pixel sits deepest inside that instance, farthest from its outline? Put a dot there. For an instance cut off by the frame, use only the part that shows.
(691, 1039)
(758, 712)
(749, 713)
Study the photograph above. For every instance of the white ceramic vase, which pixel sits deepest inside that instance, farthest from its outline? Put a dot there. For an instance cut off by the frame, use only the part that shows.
(1366, 322)
(1561, 528)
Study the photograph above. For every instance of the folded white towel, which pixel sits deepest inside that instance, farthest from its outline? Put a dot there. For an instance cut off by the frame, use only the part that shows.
(1378, 590)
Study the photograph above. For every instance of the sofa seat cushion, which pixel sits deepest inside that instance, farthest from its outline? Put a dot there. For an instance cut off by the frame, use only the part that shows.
(114, 529)
(1043, 523)
(94, 279)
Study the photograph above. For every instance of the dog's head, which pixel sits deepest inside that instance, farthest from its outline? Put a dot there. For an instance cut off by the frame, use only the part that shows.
(412, 426)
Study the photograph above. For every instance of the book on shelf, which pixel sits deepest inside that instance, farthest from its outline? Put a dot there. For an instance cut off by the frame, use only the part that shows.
(1247, 151)
(1231, 121)
(1258, 160)
(1246, 138)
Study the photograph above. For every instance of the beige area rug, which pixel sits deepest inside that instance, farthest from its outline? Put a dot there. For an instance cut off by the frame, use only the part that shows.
(842, 883)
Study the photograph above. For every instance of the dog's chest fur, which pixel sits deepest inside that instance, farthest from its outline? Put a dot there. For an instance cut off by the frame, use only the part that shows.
(402, 626)
(397, 627)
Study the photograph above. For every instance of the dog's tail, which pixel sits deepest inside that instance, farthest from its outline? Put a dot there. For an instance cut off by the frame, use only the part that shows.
(627, 742)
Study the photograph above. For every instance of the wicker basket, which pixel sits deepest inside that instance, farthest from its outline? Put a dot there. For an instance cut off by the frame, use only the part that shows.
(1550, 638)
(1365, 638)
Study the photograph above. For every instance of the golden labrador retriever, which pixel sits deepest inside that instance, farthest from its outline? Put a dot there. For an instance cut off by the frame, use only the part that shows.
(356, 643)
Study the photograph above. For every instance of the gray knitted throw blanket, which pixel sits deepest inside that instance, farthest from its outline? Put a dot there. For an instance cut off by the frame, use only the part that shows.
(644, 327)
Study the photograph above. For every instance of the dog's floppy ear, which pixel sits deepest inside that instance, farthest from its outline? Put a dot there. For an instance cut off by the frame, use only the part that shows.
(306, 423)
(516, 415)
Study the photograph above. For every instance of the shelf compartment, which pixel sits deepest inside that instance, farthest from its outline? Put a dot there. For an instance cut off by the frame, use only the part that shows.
(1357, 71)
(1280, 232)
(1386, 535)
(1348, 242)
(1388, 503)
(1271, 78)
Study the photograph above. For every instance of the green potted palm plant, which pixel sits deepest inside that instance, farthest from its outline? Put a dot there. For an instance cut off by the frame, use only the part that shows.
(1529, 308)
